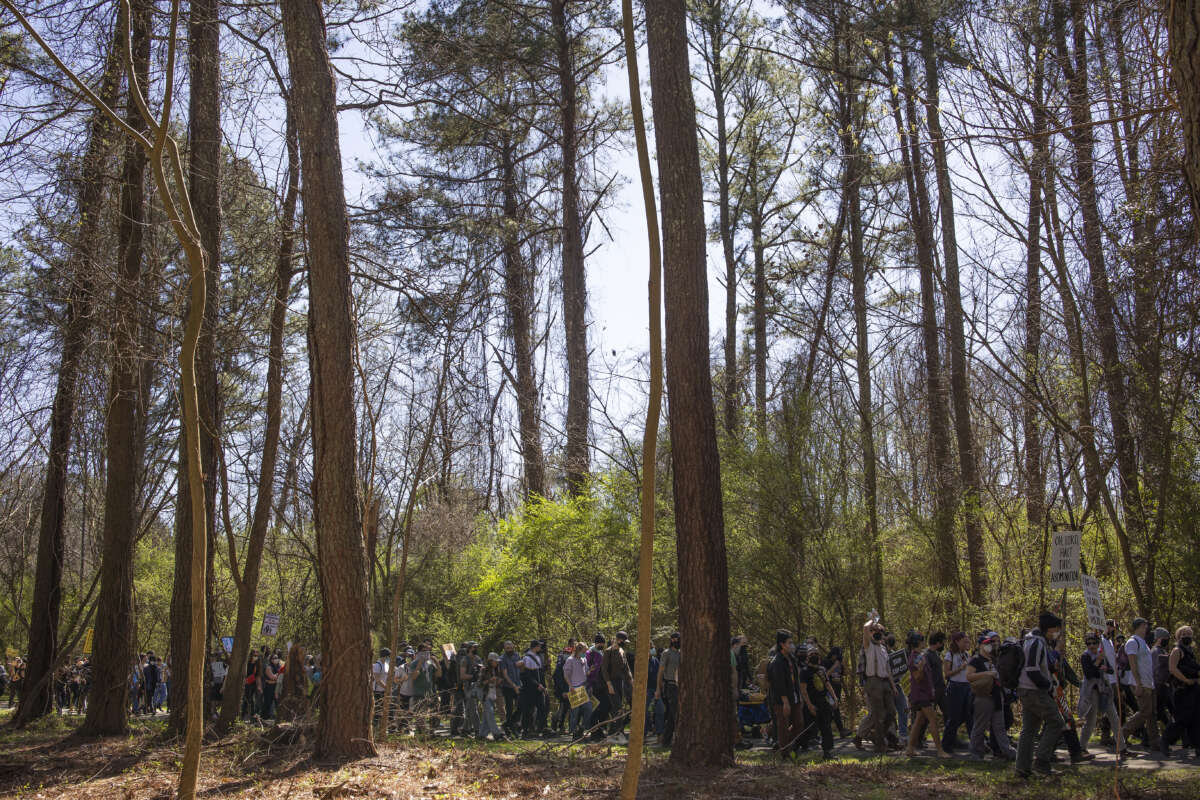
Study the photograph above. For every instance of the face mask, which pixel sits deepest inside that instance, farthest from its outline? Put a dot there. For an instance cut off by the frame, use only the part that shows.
(675, 643)
(1186, 641)
(987, 648)
(814, 661)
(877, 635)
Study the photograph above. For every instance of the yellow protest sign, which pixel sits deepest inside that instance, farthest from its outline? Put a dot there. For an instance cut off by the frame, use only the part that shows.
(87, 641)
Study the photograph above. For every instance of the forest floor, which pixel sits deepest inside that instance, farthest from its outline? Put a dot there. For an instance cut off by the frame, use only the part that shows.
(45, 762)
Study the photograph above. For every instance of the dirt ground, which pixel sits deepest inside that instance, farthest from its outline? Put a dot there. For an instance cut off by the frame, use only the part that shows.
(47, 763)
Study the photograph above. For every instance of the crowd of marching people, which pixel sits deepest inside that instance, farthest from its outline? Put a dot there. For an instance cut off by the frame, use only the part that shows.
(961, 692)
(582, 691)
(1130, 685)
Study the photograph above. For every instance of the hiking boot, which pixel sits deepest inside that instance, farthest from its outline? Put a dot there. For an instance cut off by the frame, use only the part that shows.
(1082, 757)
(1043, 768)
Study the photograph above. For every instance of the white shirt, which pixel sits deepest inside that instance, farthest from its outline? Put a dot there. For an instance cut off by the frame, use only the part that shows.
(876, 660)
(379, 676)
(218, 671)
(1136, 648)
(956, 660)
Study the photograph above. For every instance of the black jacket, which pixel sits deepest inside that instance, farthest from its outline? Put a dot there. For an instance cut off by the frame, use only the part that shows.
(781, 671)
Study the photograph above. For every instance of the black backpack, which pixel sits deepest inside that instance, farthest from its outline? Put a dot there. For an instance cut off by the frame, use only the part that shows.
(1010, 661)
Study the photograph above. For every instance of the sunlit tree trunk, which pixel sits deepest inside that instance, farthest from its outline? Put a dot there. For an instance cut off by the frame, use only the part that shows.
(574, 280)
(705, 727)
(204, 172)
(1183, 29)
(37, 699)
(518, 296)
(344, 723)
(960, 384)
(940, 459)
(113, 644)
(1082, 137)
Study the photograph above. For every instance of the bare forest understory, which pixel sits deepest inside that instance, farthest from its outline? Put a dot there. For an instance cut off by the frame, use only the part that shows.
(47, 762)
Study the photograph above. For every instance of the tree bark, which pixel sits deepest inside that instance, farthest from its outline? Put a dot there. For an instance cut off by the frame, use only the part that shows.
(574, 276)
(113, 645)
(37, 698)
(705, 728)
(247, 582)
(1183, 30)
(1035, 469)
(759, 319)
(960, 384)
(344, 727)
(204, 169)
(942, 468)
(850, 126)
(1082, 139)
(518, 296)
(725, 224)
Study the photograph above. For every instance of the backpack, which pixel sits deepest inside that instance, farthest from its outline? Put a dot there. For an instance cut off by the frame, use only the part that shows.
(450, 672)
(1010, 661)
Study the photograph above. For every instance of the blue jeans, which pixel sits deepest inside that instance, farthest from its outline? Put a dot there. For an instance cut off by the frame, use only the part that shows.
(580, 718)
(487, 721)
(958, 712)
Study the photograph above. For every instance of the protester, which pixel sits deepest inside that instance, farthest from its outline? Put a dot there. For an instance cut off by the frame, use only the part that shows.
(879, 687)
(921, 695)
(1096, 694)
(489, 682)
(1185, 678)
(785, 695)
(1039, 711)
(988, 701)
(1164, 694)
(575, 673)
(958, 691)
(510, 685)
(272, 671)
(835, 670)
(617, 677)
(561, 688)
(531, 689)
(668, 688)
(818, 698)
(1141, 671)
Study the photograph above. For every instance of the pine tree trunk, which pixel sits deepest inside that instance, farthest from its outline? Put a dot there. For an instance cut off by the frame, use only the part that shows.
(204, 168)
(1082, 139)
(518, 296)
(759, 308)
(574, 276)
(850, 125)
(113, 644)
(960, 385)
(725, 226)
(1035, 470)
(705, 728)
(36, 699)
(1183, 29)
(941, 463)
(344, 728)
(247, 582)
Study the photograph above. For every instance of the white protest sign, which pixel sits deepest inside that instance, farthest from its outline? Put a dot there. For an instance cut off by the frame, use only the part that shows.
(1064, 560)
(1091, 598)
(270, 625)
